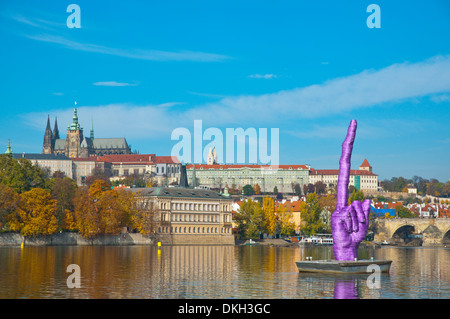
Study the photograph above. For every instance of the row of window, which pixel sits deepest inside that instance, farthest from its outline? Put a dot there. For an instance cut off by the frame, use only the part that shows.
(194, 218)
(191, 206)
(194, 230)
(198, 218)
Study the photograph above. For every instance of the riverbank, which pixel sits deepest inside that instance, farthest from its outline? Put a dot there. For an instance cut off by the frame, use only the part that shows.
(74, 239)
(276, 242)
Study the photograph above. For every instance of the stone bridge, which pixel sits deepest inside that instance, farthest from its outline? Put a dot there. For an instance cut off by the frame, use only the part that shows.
(432, 231)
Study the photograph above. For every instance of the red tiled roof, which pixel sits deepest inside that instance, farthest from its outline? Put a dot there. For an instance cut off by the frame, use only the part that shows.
(228, 166)
(294, 205)
(166, 160)
(365, 163)
(336, 172)
(86, 159)
(128, 158)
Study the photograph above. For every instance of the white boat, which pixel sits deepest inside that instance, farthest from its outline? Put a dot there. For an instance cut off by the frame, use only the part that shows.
(319, 239)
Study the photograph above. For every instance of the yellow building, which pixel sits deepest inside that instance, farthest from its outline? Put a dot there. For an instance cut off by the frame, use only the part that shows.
(186, 216)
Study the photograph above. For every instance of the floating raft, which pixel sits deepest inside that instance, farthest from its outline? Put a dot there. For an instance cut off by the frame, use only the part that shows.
(342, 266)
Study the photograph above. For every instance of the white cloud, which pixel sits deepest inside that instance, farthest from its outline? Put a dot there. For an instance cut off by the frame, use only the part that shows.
(263, 76)
(114, 83)
(367, 89)
(440, 98)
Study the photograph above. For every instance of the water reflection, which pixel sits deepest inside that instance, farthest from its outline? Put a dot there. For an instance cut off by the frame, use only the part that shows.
(214, 272)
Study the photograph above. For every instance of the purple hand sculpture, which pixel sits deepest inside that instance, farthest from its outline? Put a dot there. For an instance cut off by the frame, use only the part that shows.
(349, 223)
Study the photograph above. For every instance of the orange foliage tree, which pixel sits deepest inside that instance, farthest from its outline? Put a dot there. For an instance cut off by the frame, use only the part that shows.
(100, 210)
(35, 215)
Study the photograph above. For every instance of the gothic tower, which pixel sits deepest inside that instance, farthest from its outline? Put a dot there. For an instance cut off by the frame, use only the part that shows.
(55, 135)
(48, 145)
(74, 136)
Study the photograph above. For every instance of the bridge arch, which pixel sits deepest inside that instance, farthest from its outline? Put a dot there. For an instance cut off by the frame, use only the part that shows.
(446, 237)
(407, 234)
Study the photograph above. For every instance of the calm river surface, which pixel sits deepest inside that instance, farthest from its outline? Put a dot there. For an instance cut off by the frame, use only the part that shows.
(214, 272)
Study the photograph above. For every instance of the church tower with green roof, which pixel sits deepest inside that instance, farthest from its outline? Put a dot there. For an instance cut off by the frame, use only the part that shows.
(74, 136)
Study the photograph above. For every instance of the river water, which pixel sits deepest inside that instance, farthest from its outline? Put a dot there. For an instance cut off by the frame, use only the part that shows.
(214, 272)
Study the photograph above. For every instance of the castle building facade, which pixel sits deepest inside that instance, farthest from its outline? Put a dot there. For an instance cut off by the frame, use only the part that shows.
(362, 179)
(76, 145)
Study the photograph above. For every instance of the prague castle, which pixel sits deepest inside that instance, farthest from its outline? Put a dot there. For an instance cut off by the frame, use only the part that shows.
(76, 145)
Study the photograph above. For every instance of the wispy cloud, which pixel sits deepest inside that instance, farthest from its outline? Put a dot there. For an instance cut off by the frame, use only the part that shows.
(114, 83)
(263, 76)
(53, 28)
(140, 54)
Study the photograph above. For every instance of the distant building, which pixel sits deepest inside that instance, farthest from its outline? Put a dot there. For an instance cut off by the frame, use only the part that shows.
(186, 216)
(363, 179)
(50, 162)
(284, 177)
(76, 145)
(411, 189)
(164, 169)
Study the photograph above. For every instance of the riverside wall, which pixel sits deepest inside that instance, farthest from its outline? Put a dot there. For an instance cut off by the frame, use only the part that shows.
(74, 239)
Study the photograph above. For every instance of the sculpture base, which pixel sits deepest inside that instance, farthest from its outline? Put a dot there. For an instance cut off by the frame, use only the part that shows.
(342, 266)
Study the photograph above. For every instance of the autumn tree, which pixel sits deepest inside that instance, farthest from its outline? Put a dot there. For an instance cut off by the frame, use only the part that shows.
(9, 201)
(270, 218)
(143, 216)
(36, 214)
(327, 204)
(319, 187)
(285, 218)
(257, 189)
(100, 210)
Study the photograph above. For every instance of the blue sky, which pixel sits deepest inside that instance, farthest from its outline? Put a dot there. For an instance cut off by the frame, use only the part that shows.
(140, 69)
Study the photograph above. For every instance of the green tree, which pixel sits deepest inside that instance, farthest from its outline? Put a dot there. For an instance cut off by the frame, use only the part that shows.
(356, 195)
(20, 174)
(63, 191)
(249, 219)
(310, 212)
(404, 212)
(297, 189)
(248, 190)
(275, 190)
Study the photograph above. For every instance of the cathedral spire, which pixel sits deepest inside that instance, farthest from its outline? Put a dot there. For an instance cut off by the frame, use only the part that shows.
(92, 129)
(48, 128)
(75, 125)
(47, 147)
(55, 130)
(9, 151)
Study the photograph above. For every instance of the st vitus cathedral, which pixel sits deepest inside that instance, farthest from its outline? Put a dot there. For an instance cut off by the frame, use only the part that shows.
(76, 145)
